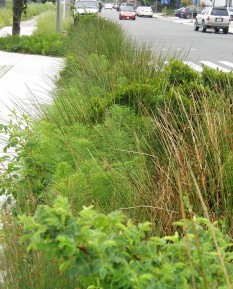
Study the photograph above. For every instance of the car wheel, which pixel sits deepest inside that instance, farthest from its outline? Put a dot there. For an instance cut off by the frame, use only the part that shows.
(216, 30)
(196, 27)
(188, 16)
(203, 27)
(225, 30)
(134, 18)
(120, 18)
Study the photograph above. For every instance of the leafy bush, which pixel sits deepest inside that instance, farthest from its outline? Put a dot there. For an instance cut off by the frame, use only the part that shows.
(45, 40)
(109, 251)
(50, 44)
(20, 270)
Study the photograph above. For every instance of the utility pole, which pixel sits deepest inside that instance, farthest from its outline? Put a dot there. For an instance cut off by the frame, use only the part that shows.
(58, 15)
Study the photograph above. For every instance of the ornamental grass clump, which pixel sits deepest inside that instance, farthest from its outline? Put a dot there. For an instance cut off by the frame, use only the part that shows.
(153, 141)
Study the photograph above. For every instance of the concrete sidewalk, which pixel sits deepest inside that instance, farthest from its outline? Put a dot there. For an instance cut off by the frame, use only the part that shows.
(26, 28)
(178, 20)
(26, 80)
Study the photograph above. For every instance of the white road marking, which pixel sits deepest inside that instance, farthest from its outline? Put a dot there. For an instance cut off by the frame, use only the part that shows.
(215, 66)
(194, 66)
(199, 68)
(227, 63)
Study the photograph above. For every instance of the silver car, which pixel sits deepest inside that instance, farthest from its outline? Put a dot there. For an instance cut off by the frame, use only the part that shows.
(213, 17)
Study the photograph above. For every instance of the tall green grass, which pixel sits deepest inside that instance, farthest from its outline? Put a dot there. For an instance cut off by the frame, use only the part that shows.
(6, 14)
(6, 17)
(46, 23)
(151, 140)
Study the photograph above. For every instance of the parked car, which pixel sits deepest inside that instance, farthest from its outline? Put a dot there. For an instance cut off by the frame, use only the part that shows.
(178, 12)
(190, 12)
(127, 12)
(144, 11)
(130, 4)
(213, 17)
(108, 6)
(230, 11)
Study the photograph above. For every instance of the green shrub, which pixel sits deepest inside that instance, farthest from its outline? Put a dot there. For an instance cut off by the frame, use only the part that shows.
(109, 251)
(20, 270)
(50, 44)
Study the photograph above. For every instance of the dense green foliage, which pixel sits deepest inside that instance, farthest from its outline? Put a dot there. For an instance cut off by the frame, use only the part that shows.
(125, 132)
(45, 40)
(109, 251)
(44, 45)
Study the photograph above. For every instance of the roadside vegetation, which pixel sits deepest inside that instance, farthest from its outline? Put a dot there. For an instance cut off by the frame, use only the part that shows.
(45, 40)
(6, 14)
(141, 141)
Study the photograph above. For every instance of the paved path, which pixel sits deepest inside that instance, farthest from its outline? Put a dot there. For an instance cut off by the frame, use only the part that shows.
(26, 79)
(27, 28)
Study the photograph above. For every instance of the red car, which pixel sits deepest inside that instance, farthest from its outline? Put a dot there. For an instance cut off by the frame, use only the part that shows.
(127, 12)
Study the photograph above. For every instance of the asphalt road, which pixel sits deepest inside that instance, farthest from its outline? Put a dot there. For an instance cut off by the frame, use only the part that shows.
(180, 40)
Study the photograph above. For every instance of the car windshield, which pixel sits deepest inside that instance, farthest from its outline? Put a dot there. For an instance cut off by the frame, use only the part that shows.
(86, 4)
(219, 12)
(127, 8)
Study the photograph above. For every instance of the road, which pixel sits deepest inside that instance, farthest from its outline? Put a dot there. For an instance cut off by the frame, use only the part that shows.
(168, 38)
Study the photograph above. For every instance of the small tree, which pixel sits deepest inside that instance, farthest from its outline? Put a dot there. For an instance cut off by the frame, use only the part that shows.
(18, 7)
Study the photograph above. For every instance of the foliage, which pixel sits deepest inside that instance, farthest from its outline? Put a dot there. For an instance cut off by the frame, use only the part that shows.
(218, 81)
(20, 270)
(6, 16)
(50, 44)
(20, 172)
(125, 131)
(109, 251)
(115, 118)
(37, 9)
(167, 12)
(45, 40)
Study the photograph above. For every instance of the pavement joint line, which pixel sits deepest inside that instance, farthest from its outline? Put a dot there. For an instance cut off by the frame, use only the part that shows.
(4, 69)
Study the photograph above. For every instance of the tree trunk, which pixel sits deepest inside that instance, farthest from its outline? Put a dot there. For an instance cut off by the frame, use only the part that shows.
(17, 11)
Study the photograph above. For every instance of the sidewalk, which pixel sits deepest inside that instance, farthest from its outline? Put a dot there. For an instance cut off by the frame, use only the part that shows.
(25, 79)
(178, 20)
(27, 28)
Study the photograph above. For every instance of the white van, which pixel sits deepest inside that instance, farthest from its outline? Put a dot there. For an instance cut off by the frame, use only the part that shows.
(83, 7)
